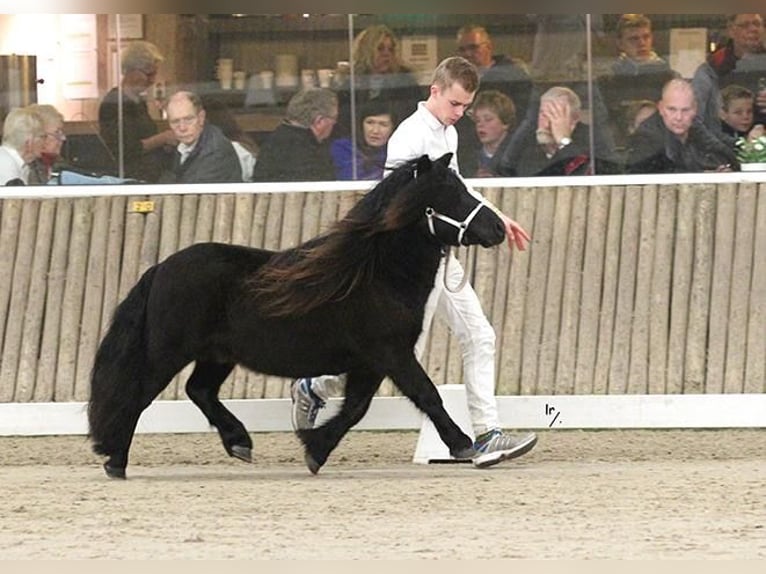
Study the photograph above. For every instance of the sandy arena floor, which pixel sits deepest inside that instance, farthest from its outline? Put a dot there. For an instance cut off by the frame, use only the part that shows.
(578, 494)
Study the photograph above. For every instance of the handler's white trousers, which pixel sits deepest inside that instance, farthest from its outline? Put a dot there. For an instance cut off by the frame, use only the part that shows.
(465, 318)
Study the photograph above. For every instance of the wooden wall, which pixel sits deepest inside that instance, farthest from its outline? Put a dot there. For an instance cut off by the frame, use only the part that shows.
(624, 289)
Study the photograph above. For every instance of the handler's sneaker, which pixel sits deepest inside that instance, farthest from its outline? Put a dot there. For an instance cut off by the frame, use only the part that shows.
(306, 404)
(494, 446)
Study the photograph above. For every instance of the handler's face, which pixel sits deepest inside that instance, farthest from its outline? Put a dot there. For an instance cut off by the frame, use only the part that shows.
(449, 104)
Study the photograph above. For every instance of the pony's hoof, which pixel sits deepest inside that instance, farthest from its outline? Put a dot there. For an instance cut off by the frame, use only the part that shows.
(313, 465)
(114, 471)
(467, 453)
(242, 453)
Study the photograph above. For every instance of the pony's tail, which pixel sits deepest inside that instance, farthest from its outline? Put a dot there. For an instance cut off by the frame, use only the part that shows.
(116, 385)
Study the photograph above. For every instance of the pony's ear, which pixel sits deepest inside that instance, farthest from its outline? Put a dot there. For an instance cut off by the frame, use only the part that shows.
(423, 165)
(445, 159)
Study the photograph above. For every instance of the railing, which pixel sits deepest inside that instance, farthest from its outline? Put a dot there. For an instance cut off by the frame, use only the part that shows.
(630, 285)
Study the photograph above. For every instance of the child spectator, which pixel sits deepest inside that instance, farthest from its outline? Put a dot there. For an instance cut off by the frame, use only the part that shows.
(494, 117)
(737, 103)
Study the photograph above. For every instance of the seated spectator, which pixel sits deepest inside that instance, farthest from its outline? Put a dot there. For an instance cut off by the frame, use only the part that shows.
(42, 169)
(145, 150)
(737, 111)
(220, 115)
(496, 72)
(558, 144)
(297, 150)
(494, 117)
(23, 135)
(376, 124)
(741, 60)
(203, 154)
(635, 42)
(671, 141)
(379, 72)
(636, 112)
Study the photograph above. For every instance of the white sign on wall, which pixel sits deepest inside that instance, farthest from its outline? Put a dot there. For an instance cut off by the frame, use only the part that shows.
(419, 52)
(688, 49)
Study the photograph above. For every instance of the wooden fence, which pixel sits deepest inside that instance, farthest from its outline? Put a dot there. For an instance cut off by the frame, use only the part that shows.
(624, 289)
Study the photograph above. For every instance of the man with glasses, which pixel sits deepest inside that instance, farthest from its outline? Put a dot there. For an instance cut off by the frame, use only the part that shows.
(42, 168)
(23, 136)
(499, 72)
(204, 154)
(127, 127)
(741, 60)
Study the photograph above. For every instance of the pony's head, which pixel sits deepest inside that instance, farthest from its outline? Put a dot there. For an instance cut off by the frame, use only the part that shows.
(437, 198)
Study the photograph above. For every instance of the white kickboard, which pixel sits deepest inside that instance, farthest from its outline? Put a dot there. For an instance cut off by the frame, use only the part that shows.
(430, 448)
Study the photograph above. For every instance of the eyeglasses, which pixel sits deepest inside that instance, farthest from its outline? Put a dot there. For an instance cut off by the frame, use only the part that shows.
(57, 135)
(470, 47)
(184, 121)
(749, 24)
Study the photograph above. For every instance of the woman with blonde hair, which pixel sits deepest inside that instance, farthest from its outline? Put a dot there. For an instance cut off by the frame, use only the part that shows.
(379, 72)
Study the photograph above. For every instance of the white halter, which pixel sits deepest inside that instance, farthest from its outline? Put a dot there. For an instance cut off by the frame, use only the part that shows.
(462, 227)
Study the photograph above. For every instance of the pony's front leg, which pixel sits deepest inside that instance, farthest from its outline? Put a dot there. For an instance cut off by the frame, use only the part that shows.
(410, 377)
(361, 385)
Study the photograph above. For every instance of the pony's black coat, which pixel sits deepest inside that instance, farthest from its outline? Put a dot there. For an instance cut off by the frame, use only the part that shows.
(350, 301)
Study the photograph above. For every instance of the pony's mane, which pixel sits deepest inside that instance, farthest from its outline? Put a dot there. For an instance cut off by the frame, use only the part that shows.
(331, 266)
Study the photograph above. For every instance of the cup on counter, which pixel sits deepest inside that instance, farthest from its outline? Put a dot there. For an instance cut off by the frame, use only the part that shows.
(325, 77)
(308, 79)
(240, 78)
(225, 72)
(266, 78)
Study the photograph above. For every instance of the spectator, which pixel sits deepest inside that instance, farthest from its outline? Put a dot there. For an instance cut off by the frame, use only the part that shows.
(141, 146)
(496, 72)
(557, 145)
(42, 168)
(203, 154)
(376, 124)
(736, 111)
(23, 135)
(741, 60)
(635, 43)
(494, 117)
(220, 115)
(297, 150)
(671, 141)
(379, 72)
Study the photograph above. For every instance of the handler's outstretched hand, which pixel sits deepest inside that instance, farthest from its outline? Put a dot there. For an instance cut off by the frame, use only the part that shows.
(516, 234)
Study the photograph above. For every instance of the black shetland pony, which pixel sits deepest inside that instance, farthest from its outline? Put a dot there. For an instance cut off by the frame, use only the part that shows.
(349, 301)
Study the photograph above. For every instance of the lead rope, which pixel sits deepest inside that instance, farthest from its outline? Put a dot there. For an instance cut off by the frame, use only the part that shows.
(463, 281)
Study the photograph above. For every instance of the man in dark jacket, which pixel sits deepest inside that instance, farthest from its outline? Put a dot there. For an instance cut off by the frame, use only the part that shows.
(505, 74)
(297, 150)
(742, 60)
(558, 144)
(673, 141)
(203, 154)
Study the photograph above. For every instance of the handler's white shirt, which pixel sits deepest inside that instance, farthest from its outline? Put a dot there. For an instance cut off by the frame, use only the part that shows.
(421, 134)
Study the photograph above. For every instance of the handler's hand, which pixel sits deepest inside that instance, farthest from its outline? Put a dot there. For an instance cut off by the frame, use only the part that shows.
(515, 232)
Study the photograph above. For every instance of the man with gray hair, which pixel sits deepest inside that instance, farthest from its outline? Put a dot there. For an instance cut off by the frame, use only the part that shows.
(557, 145)
(127, 128)
(297, 150)
(23, 135)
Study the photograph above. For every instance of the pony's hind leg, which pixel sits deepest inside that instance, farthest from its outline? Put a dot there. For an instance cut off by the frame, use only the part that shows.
(202, 387)
(361, 385)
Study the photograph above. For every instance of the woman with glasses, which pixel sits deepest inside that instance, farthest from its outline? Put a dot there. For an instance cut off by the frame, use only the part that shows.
(41, 169)
(22, 144)
(133, 134)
